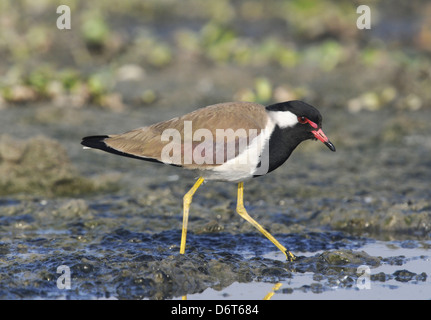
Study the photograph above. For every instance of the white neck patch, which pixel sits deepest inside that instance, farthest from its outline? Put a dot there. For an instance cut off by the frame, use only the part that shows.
(283, 119)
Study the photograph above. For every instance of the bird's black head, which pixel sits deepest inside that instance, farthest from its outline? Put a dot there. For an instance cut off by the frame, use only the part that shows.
(304, 119)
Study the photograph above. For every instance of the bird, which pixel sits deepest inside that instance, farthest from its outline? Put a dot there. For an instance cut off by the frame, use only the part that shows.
(228, 141)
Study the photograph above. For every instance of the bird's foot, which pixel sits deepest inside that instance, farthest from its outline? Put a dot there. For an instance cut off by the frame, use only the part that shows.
(290, 256)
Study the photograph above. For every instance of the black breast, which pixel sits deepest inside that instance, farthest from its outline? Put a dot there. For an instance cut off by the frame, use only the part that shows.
(281, 145)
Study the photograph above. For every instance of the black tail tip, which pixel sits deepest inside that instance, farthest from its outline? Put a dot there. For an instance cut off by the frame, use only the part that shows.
(95, 142)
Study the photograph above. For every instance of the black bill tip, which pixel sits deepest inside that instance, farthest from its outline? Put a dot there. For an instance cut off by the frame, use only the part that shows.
(330, 145)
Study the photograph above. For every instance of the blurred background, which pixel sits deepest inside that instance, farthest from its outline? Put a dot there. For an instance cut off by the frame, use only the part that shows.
(263, 51)
(127, 64)
(155, 59)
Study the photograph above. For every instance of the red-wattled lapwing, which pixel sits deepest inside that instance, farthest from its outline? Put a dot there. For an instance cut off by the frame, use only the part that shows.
(232, 141)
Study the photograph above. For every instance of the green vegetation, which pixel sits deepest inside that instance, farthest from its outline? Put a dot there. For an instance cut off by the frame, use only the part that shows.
(301, 36)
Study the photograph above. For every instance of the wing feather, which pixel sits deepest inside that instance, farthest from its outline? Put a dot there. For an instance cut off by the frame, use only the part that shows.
(240, 117)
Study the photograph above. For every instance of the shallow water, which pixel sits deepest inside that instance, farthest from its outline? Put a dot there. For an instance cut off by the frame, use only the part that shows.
(402, 275)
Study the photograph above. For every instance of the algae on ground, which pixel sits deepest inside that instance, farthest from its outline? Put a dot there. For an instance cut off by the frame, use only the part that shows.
(40, 166)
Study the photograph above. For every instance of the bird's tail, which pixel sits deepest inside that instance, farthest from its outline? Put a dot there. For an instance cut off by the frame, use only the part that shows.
(95, 142)
(98, 142)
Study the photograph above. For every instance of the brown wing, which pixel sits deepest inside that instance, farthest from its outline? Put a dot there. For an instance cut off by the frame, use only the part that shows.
(178, 138)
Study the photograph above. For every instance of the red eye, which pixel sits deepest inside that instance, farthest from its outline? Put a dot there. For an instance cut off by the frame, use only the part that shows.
(302, 120)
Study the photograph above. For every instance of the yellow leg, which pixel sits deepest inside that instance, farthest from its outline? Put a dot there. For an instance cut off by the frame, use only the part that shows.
(272, 292)
(187, 200)
(243, 213)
